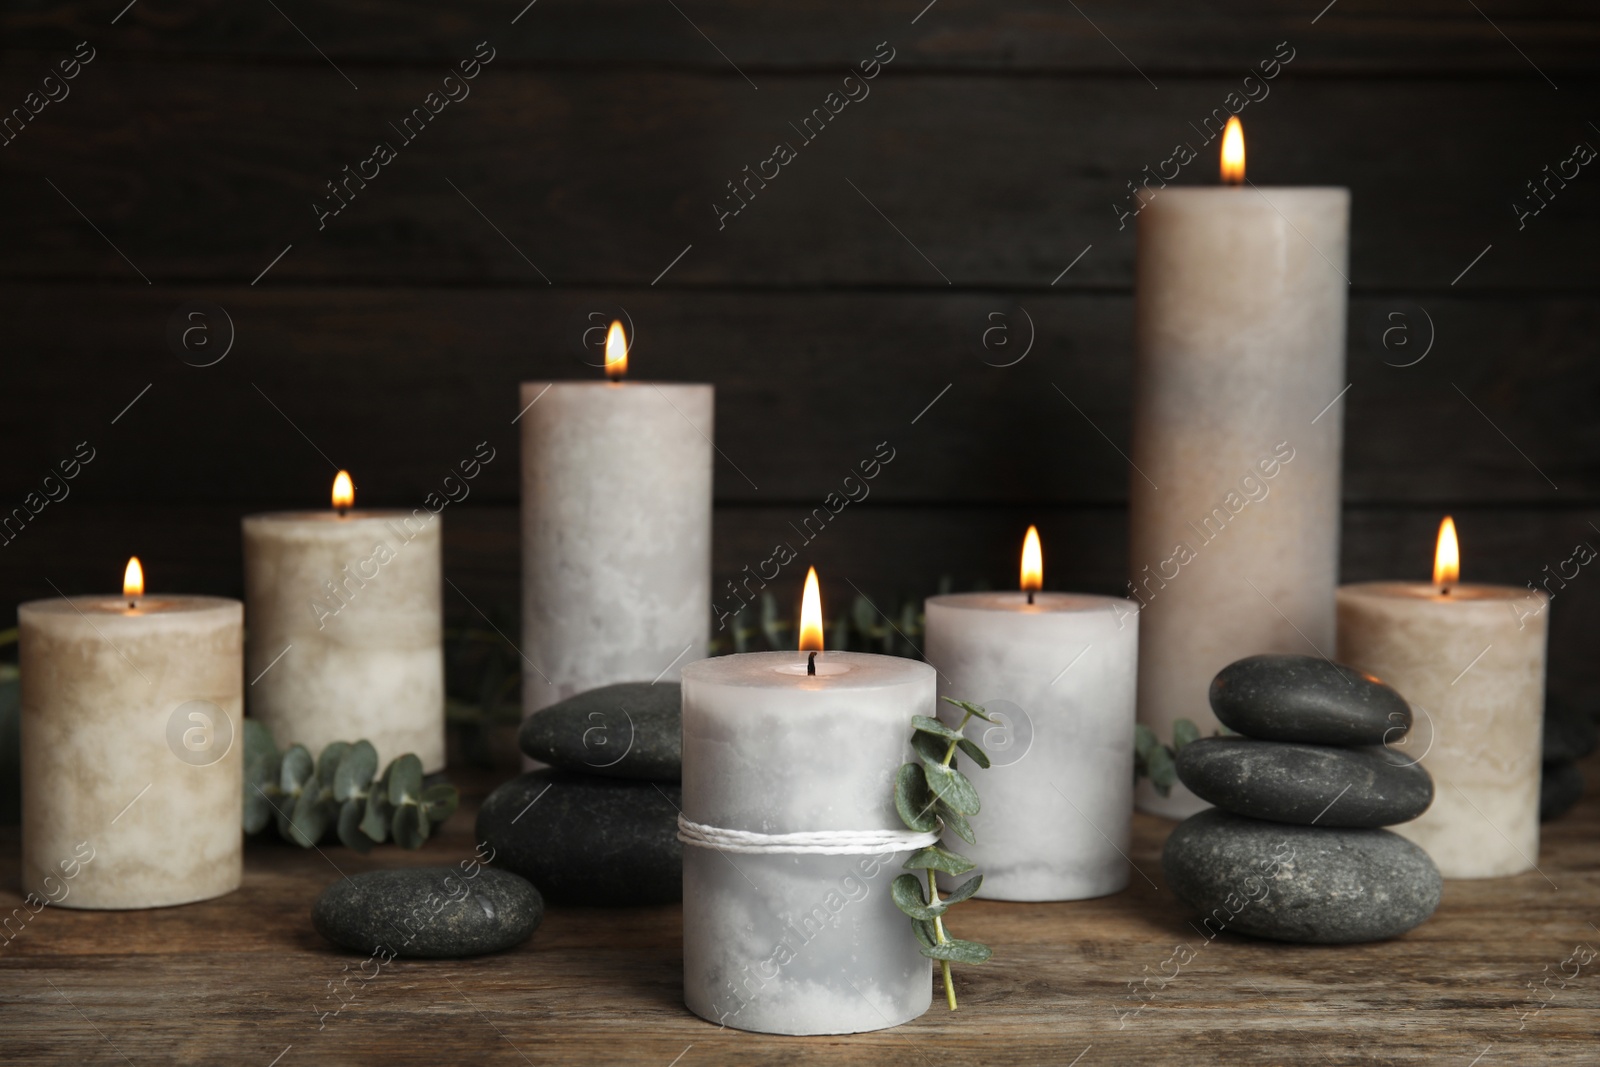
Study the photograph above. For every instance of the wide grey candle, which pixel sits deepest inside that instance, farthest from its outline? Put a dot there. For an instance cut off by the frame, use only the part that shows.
(1237, 437)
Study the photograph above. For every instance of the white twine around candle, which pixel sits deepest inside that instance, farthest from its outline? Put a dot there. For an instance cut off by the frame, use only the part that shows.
(810, 842)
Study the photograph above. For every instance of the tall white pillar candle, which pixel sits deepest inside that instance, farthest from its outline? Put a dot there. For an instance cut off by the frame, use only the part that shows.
(1058, 674)
(616, 534)
(346, 634)
(131, 749)
(1234, 500)
(1471, 662)
(789, 943)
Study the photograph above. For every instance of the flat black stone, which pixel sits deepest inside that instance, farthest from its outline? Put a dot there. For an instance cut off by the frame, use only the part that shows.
(631, 730)
(606, 842)
(429, 912)
(1298, 883)
(1560, 787)
(1569, 734)
(1321, 785)
(1303, 698)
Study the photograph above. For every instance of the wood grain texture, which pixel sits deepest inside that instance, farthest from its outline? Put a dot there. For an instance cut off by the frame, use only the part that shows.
(244, 979)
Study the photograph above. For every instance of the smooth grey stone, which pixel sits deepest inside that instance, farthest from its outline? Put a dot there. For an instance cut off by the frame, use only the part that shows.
(1560, 787)
(631, 730)
(1303, 698)
(1299, 883)
(1568, 734)
(1308, 785)
(429, 912)
(605, 842)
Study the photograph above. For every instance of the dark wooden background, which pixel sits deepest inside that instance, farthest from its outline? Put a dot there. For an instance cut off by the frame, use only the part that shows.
(594, 145)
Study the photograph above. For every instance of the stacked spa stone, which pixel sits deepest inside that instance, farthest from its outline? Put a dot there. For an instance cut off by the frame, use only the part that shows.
(1293, 849)
(599, 826)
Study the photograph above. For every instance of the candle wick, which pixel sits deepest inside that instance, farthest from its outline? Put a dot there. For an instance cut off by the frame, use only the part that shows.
(133, 605)
(1030, 596)
(811, 664)
(342, 512)
(1444, 590)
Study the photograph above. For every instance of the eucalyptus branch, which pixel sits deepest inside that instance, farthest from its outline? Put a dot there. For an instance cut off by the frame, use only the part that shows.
(929, 794)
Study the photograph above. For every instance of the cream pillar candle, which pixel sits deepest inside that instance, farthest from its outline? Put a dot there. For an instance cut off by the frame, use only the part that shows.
(1470, 659)
(345, 637)
(131, 749)
(616, 532)
(787, 942)
(1057, 670)
(1234, 501)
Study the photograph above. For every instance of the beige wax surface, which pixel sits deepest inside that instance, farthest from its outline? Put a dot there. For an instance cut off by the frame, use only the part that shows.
(346, 630)
(129, 797)
(1234, 491)
(1472, 666)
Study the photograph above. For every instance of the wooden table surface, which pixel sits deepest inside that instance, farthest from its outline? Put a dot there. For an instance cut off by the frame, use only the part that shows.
(244, 980)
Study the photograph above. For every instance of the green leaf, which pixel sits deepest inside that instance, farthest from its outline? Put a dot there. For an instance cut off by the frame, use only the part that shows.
(964, 890)
(355, 771)
(350, 826)
(1163, 772)
(1144, 741)
(439, 802)
(907, 891)
(927, 936)
(328, 762)
(957, 822)
(410, 826)
(929, 747)
(913, 799)
(260, 789)
(957, 951)
(310, 819)
(970, 747)
(934, 727)
(296, 771)
(258, 742)
(939, 858)
(379, 813)
(967, 705)
(1184, 731)
(405, 779)
(952, 787)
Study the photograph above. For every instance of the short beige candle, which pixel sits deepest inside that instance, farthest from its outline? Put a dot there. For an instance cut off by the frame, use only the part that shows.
(1471, 662)
(346, 637)
(131, 750)
(1234, 491)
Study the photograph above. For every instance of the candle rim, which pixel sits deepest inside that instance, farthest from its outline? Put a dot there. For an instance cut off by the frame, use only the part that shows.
(1046, 601)
(1460, 592)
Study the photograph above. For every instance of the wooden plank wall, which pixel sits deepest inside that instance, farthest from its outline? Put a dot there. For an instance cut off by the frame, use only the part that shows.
(185, 161)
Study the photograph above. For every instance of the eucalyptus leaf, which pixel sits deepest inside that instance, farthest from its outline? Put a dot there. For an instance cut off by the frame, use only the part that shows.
(964, 890)
(258, 742)
(1184, 731)
(439, 802)
(328, 762)
(296, 771)
(405, 780)
(1163, 772)
(927, 936)
(957, 822)
(379, 813)
(355, 771)
(350, 814)
(1144, 741)
(258, 805)
(952, 787)
(969, 706)
(933, 726)
(957, 951)
(913, 799)
(410, 826)
(909, 897)
(310, 819)
(928, 747)
(864, 614)
(970, 747)
(938, 858)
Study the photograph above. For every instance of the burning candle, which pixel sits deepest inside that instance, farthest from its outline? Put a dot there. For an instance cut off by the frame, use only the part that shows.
(616, 530)
(792, 837)
(1234, 498)
(131, 751)
(1057, 672)
(345, 635)
(1470, 660)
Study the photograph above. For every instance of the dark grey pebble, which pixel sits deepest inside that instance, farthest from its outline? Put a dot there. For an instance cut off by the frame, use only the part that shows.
(631, 730)
(1299, 883)
(1560, 787)
(1569, 734)
(604, 842)
(429, 912)
(1304, 698)
(1321, 785)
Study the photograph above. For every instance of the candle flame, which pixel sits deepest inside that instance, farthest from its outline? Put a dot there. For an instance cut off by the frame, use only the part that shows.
(344, 491)
(133, 578)
(811, 615)
(1233, 152)
(616, 352)
(1447, 556)
(1032, 561)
